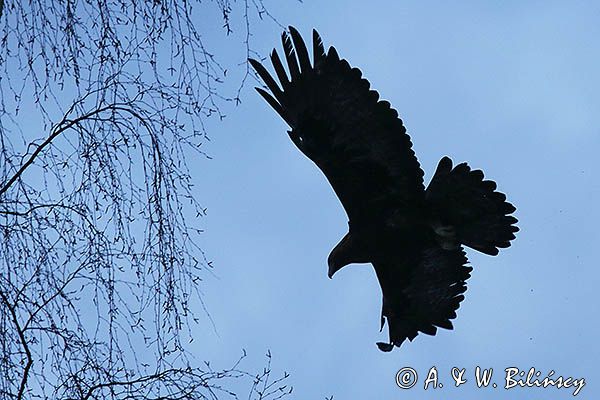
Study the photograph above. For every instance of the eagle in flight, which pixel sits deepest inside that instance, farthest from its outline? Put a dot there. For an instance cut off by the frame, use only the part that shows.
(412, 235)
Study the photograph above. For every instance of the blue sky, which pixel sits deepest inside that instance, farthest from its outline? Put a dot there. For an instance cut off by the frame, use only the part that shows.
(510, 87)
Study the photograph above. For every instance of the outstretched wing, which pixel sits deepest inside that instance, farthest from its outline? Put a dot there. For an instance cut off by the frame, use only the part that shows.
(422, 289)
(357, 140)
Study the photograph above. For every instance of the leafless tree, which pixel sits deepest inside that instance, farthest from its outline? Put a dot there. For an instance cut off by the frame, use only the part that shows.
(102, 103)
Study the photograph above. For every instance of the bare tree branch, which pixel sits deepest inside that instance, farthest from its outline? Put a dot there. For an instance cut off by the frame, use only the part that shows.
(24, 344)
(103, 105)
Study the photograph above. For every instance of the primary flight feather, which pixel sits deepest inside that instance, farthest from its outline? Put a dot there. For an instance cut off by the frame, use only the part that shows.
(413, 236)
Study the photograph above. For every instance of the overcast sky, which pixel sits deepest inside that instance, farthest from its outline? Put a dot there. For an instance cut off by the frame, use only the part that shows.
(510, 87)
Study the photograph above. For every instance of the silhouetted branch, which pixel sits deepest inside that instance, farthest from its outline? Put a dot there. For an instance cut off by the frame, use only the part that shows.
(102, 106)
(60, 128)
(23, 341)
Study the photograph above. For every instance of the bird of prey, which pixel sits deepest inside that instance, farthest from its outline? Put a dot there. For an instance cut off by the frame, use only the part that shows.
(412, 235)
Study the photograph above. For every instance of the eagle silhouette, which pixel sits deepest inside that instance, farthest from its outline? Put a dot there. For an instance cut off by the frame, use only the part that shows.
(412, 235)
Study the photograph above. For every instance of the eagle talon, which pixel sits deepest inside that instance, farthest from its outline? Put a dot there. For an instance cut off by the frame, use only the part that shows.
(385, 347)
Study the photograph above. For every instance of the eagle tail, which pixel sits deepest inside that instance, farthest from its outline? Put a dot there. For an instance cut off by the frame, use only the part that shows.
(468, 210)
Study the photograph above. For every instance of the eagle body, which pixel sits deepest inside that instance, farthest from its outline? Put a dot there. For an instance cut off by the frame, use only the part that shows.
(412, 235)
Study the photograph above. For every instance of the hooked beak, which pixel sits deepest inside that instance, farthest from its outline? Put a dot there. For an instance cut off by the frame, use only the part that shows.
(332, 269)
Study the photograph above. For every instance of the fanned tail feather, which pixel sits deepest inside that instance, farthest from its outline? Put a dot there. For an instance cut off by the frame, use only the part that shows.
(469, 209)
